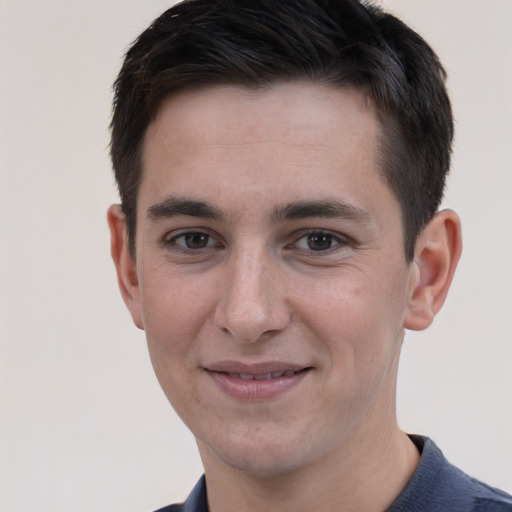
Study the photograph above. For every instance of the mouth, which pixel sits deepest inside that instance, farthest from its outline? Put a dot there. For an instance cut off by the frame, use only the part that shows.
(263, 376)
(256, 382)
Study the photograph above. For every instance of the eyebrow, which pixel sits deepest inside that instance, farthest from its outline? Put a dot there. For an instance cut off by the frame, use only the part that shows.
(176, 206)
(326, 209)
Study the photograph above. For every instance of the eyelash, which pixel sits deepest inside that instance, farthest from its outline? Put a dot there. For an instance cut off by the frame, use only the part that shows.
(336, 242)
(173, 241)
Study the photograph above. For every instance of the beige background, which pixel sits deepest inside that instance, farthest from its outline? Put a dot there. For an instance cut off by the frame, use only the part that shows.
(84, 425)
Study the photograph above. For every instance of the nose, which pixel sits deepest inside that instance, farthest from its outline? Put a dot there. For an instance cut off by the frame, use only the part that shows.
(252, 305)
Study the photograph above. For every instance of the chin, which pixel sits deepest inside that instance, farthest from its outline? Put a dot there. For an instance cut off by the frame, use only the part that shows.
(265, 464)
(262, 457)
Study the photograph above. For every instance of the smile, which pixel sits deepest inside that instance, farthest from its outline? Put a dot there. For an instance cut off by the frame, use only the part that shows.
(257, 383)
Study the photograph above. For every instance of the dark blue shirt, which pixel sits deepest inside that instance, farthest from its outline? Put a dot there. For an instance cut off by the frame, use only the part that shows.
(435, 486)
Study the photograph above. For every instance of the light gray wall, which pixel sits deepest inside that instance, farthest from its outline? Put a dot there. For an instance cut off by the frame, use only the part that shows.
(84, 425)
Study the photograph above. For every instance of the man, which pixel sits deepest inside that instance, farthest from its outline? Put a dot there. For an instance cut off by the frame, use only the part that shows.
(280, 167)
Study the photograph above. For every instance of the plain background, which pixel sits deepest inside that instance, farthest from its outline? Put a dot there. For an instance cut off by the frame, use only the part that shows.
(84, 425)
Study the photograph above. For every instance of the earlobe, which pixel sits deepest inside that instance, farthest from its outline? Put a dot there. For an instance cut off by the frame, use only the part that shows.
(438, 250)
(124, 263)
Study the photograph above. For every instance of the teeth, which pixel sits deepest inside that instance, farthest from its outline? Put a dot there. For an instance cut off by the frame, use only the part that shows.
(262, 376)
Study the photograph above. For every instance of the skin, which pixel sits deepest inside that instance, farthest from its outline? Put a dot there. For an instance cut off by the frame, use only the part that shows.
(229, 268)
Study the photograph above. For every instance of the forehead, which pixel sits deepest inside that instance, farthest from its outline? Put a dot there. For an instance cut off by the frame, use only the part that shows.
(293, 140)
(243, 114)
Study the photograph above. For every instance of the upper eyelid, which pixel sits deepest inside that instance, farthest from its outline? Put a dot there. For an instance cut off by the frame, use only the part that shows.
(311, 231)
(175, 233)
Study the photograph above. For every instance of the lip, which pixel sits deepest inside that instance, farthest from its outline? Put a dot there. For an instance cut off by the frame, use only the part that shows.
(256, 382)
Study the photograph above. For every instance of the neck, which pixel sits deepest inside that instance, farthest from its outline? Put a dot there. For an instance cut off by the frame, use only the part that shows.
(363, 476)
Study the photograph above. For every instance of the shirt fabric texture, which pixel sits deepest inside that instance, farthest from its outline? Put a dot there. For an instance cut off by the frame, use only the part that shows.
(435, 486)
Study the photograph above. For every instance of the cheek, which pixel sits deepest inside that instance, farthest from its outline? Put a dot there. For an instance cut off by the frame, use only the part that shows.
(358, 317)
(173, 316)
(174, 311)
(172, 304)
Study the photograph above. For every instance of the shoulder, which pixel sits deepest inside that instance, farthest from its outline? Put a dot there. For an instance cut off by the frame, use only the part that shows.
(490, 499)
(437, 486)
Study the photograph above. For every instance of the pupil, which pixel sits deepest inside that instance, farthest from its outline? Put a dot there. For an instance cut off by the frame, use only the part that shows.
(319, 241)
(196, 240)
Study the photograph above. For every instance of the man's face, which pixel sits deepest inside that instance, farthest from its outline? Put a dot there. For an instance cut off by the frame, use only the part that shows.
(272, 281)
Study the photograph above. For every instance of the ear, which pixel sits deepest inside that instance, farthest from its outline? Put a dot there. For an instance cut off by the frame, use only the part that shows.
(125, 264)
(437, 253)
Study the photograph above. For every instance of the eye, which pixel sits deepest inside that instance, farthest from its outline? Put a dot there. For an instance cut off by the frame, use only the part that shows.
(192, 241)
(319, 241)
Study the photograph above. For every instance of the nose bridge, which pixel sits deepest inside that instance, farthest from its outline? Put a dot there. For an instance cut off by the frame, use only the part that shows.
(251, 302)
